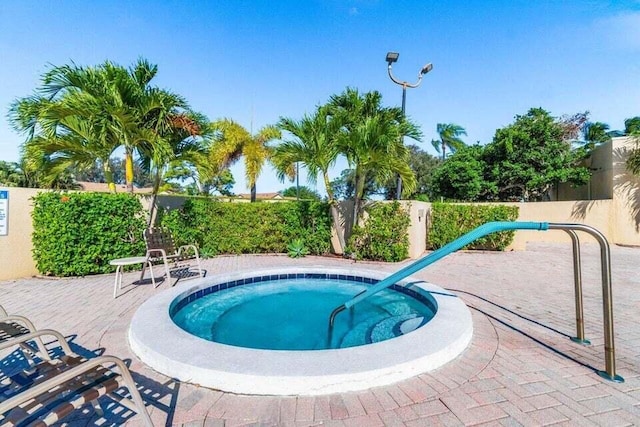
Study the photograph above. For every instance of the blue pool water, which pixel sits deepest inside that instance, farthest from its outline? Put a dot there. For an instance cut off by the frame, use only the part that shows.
(292, 314)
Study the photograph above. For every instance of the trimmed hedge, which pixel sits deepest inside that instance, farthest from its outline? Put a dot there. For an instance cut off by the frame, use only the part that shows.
(384, 236)
(76, 234)
(450, 221)
(238, 228)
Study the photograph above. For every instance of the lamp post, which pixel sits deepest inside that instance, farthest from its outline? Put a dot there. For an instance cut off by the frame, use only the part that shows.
(391, 58)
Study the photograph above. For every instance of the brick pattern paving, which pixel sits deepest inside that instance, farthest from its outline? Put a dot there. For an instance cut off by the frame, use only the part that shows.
(520, 368)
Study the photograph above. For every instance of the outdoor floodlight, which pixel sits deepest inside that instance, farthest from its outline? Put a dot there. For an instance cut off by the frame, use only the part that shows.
(392, 57)
(426, 68)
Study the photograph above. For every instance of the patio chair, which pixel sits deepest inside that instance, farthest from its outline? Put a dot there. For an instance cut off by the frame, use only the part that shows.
(57, 387)
(12, 327)
(161, 248)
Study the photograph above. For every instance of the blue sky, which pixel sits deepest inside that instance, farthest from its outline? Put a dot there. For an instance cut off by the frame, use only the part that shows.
(255, 61)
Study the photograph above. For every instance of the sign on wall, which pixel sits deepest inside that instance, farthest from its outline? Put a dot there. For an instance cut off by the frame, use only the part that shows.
(4, 212)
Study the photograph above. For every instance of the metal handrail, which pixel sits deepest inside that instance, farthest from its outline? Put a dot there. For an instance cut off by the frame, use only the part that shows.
(607, 294)
(605, 261)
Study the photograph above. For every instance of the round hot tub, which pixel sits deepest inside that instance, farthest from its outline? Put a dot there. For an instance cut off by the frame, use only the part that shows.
(267, 332)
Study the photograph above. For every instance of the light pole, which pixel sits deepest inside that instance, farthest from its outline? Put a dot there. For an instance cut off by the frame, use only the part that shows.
(391, 58)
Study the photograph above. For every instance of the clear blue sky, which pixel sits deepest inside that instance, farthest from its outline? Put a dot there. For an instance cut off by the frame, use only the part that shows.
(256, 60)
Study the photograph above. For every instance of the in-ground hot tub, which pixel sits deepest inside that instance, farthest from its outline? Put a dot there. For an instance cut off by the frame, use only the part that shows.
(217, 332)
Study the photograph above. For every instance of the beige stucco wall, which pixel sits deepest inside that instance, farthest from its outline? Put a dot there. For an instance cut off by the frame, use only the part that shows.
(16, 259)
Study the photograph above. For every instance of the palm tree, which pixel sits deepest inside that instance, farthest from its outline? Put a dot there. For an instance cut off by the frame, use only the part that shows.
(83, 114)
(314, 145)
(449, 137)
(372, 140)
(62, 134)
(632, 126)
(234, 141)
(595, 133)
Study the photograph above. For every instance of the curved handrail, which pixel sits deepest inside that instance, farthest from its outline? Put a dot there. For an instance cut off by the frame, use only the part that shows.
(460, 242)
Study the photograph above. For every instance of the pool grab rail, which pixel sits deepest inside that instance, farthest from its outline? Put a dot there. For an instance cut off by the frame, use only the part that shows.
(494, 227)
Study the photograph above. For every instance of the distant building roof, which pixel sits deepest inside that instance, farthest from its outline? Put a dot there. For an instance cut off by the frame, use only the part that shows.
(262, 196)
(102, 187)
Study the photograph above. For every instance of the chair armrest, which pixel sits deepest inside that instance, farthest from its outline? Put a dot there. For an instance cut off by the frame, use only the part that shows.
(162, 253)
(14, 318)
(61, 378)
(37, 334)
(193, 247)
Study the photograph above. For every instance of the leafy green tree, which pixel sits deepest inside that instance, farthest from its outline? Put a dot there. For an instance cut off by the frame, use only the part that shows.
(305, 193)
(344, 185)
(528, 157)
(449, 138)
(423, 165)
(11, 175)
(462, 176)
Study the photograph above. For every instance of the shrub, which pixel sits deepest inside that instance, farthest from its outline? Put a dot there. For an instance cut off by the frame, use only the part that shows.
(75, 234)
(237, 228)
(450, 221)
(383, 237)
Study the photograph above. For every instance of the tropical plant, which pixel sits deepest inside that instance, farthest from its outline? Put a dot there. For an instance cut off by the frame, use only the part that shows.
(297, 249)
(232, 141)
(371, 139)
(449, 138)
(81, 114)
(632, 126)
(595, 133)
(312, 143)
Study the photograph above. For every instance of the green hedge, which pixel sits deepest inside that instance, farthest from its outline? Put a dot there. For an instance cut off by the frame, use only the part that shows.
(384, 236)
(450, 221)
(75, 234)
(262, 227)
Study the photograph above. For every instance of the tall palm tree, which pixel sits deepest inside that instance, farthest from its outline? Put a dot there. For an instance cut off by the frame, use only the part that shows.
(449, 137)
(372, 140)
(314, 145)
(234, 141)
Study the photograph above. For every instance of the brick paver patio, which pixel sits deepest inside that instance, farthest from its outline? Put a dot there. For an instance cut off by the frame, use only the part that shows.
(520, 368)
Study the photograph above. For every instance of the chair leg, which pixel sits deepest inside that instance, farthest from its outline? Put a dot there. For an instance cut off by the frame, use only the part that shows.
(97, 408)
(118, 281)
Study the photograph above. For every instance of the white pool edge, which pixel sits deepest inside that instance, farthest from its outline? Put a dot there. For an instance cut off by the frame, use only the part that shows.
(166, 348)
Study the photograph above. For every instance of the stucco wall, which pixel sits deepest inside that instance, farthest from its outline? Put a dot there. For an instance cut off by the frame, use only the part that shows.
(16, 259)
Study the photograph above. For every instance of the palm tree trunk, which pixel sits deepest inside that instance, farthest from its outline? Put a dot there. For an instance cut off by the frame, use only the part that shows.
(128, 168)
(253, 192)
(334, 214)
(444, 147)
(108, 176)
(358, 192)
(154, 199)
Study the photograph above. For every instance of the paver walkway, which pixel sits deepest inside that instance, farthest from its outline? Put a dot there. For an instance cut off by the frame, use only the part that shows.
(520, 368)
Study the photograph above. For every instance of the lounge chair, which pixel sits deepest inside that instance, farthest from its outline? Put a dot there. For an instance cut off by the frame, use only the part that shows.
(56, 387)
(161, 247)
(12, 327)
